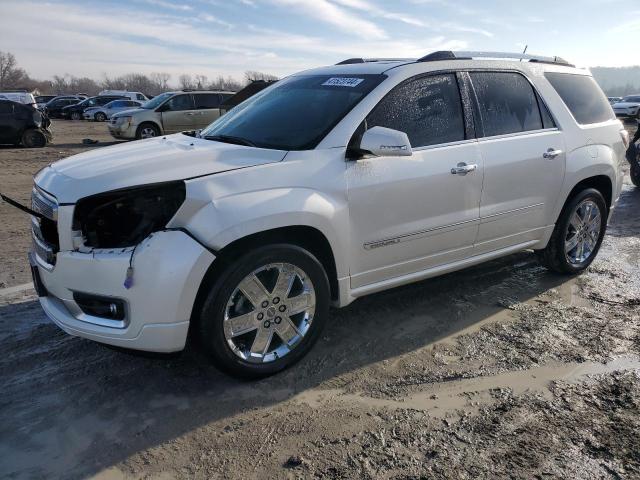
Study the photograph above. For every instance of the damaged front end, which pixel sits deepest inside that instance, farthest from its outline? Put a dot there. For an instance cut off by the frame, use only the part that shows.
(123, 218)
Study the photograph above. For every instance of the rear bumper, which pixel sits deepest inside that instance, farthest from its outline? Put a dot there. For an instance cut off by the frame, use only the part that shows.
(168, 268)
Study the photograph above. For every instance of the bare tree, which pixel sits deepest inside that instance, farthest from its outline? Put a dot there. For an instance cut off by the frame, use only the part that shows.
(228, 83)
(201, 82)
(11, 76)
(160, 81)
(186, 81)
(252, 76)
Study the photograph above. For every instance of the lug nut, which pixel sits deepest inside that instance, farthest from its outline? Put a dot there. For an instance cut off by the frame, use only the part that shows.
(266, 324)
(260, 316)
(276, 300)
(265, 304)
(277, 320)
(282, 308)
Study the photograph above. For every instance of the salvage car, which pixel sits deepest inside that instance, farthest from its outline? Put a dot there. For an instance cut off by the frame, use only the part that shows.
(628, 107)
(103, 113)
(53, 108)
(23, 125)
(329, 185)
(169, 112)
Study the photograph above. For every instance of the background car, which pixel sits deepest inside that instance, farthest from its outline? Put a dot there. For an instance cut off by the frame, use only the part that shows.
(613, 100)
(101, 114)
(138, 96)
(169, 112)
(628, 107)
(74, 112)
(54, 107)
(41, 100)
(23, 124)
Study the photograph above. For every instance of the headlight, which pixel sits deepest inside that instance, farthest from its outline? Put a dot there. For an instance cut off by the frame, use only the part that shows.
(123, 218)
(123, 120)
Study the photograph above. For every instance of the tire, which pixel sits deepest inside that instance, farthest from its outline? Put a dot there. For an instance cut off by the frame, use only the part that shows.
(588, 203)
(267, 340)
(100, 117)
(147, 130)
(76, 116)
(34, 138)
(634, 173)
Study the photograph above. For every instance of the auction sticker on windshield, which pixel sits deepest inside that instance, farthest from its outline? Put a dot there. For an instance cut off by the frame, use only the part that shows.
(343, 82)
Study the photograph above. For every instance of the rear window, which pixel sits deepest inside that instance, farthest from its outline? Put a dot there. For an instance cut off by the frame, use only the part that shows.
(582, 96)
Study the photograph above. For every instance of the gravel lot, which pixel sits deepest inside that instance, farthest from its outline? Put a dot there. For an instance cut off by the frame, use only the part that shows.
(502, 370)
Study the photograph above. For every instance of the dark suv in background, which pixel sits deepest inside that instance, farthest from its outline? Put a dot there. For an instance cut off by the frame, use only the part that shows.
(53, 108)
(75, 111)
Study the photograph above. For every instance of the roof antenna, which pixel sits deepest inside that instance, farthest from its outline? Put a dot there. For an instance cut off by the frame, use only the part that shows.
(524, 51)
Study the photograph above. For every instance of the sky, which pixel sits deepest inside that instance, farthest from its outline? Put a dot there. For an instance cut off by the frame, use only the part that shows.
(216, 37)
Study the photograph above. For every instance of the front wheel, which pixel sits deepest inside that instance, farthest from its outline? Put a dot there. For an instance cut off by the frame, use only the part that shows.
(265, 311)
(100, 117)
(76, 116)
(147, 130)
(578, 233)
(34, 138)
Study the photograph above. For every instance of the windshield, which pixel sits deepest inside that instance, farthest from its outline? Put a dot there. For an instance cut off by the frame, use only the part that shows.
(156, 101)
(295, 113)
(631, 99)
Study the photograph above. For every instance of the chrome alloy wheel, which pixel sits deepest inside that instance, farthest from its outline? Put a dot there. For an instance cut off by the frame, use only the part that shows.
(269, 312)
(147, 132)
(583, 232)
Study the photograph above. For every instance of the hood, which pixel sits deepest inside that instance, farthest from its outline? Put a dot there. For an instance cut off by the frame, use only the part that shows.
(161, 159)
(625, 104)
(130, 111)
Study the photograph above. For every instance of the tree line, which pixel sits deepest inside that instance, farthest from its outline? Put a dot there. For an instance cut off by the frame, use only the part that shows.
(13, 77)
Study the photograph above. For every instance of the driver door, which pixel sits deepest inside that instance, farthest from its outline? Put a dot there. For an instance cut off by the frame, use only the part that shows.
(409, 214)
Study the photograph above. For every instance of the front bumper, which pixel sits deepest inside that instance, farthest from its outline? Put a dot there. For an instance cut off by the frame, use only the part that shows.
(125, 131)
(168, 268)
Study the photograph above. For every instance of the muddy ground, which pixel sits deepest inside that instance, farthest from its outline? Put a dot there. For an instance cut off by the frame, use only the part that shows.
(502, 370)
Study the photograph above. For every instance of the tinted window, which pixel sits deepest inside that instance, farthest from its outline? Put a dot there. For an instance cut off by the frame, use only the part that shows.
(582, 96)
(207, 100)
(631, 99)
(118, 104)
(296, 113)
(507, 103)
(180, 102)
(140, 96)
(427, 109)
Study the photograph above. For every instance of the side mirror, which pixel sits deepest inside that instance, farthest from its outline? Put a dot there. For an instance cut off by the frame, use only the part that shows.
(385, 142)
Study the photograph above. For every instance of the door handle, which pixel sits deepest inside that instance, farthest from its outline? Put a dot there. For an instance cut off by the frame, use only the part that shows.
(462, 168)
(551, 153)
(189, 114)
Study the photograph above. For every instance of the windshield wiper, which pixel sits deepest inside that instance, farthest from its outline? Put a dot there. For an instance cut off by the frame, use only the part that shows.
(230, 139)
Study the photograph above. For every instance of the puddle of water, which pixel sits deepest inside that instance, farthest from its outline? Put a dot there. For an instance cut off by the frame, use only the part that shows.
(468, 395)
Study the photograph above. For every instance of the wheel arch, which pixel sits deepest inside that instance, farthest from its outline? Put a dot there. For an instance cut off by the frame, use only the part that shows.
(149, 122)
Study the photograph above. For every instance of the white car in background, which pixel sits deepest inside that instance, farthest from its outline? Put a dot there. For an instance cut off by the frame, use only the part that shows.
(628, 107)
(329, 185)
(137, 96)
(104, 113)
(20, 97)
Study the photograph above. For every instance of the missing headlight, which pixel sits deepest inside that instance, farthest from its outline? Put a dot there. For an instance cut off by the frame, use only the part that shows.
(123, 218)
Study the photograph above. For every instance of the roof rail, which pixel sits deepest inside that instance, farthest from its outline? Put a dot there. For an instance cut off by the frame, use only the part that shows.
(469, 55)
(350, 61)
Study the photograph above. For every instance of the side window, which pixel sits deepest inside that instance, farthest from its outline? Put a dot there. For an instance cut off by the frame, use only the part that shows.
(507, 103)
(427, 109)
(207, 100)
(180, 102)
(547, 119)
(582, 96)
(140, 97)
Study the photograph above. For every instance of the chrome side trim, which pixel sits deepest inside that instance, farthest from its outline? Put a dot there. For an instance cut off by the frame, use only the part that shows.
(415, 235)
(493, 216)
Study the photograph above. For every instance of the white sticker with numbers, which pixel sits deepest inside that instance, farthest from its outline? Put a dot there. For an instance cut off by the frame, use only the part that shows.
(343, 82)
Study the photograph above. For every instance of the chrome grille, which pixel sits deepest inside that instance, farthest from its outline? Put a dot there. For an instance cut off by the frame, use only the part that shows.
(44, 205)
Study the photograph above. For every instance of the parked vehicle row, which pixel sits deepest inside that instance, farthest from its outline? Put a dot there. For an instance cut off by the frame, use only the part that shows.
(628, 107)
(326, 186)
(104, 113)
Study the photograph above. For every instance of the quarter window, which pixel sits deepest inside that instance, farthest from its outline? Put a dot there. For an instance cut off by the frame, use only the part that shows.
(427, 109)
(582, 96)
(507, 103)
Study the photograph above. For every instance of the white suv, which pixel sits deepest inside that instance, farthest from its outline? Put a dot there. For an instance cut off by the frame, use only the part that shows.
(329, 185)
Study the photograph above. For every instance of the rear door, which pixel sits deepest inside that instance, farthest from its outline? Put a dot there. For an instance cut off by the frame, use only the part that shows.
(207, 108)
(524, 160)
(8, 123)
(178, 113)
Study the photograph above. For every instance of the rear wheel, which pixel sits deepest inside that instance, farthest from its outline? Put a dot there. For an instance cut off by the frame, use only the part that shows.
(34, 139)
(265, 311)
(76, 116)
(578, 233)
(147, 130)
(100, 117)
